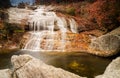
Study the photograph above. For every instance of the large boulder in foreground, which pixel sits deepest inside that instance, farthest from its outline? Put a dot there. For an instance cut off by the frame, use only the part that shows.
(106, 45)
(26, 66)
(113, 70)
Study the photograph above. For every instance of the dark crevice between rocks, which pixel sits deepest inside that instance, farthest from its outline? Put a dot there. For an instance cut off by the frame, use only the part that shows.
(14, 75)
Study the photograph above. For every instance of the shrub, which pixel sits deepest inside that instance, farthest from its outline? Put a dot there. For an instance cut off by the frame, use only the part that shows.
(70, 11)
(9, 29)
(105, 13)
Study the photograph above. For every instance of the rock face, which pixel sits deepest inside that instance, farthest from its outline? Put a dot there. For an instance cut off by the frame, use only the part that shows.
(25, 66)
(7, 73)
(106, 45)
(115, 32)
(113, 70)
(18, 16)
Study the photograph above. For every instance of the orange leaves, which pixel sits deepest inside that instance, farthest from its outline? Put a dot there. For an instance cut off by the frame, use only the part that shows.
(105, 12)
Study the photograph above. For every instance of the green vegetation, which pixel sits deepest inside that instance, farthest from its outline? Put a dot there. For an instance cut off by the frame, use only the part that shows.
(103, 15)
(70, 11)
(8, 30)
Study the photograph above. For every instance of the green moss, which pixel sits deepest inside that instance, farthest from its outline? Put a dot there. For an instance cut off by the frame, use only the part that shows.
(9, 30)
(19, 31)
(70, 11)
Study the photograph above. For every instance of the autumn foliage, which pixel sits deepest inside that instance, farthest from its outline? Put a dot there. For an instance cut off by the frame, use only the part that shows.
(94, 14)
(57, 1)
(105, 13)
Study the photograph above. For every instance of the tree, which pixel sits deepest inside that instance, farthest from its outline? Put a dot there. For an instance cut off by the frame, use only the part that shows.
(8, 30)
(5, 3)
(105, 13)
(37, 1)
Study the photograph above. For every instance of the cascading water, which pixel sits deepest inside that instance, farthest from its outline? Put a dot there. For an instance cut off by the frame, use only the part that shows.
(42, 25)
(73, 26)
(33, 43)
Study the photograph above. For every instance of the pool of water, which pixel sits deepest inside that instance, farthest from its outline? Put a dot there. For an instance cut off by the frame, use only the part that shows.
(79, 63)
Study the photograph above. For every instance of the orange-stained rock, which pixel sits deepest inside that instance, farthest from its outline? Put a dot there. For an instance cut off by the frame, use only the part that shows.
(73, 41)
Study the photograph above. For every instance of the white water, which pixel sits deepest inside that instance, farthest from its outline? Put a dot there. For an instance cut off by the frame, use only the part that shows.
(73, 26)
(42, 24)
(34, 42)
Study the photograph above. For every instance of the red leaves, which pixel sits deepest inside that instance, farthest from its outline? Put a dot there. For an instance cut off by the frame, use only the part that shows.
(104, 12)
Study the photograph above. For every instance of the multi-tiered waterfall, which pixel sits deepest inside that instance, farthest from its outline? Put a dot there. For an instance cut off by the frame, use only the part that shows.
(48, 31)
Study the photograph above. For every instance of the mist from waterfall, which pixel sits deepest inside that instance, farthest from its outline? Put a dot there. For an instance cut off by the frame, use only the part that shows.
(42, 25)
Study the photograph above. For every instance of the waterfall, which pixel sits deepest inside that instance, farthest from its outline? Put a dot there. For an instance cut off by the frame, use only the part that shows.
(73, 26)
(42, 24)
(34, 42)
(62, 26)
